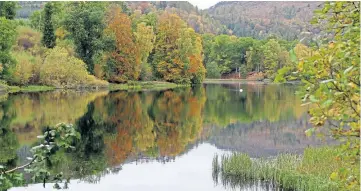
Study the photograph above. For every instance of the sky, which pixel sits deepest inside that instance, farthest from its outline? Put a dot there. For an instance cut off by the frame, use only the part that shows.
(203, 4)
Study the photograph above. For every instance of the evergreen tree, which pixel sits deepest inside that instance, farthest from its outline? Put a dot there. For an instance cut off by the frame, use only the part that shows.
(48, 31)
(8, 9)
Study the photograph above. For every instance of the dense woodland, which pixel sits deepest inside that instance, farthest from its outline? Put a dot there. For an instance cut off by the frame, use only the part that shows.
(76, 44)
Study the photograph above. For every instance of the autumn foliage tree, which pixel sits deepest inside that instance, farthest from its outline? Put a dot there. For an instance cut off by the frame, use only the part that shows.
(124, 62)
(175, 46)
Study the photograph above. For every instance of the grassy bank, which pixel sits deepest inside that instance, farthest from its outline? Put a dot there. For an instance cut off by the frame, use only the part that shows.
(317, 169)
(150, 85)
(136, 86)
(230, 80)
(14, 89)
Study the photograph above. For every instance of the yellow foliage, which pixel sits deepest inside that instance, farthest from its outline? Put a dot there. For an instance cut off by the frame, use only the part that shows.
(47, 109)
(60, 33)
(63, 70)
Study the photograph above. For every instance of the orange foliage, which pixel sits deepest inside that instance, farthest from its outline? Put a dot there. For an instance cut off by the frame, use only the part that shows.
(126, 55)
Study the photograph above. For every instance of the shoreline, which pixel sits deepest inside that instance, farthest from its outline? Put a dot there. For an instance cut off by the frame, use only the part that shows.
(130, 86)
(244, 81)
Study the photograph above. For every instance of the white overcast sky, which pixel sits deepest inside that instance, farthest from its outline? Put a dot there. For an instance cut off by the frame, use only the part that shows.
(203, 4)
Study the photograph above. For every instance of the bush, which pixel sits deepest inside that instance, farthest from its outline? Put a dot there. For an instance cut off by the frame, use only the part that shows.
(28, 40)
(146, 73)
(60, 69)
(26, 69)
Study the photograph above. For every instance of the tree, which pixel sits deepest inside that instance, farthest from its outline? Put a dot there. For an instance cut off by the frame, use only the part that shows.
(48, 31)
(178, 51)
(85, 22)
(196, 68)
(302, 51)
(255, 57)
(125, 59)
(275, 57)
(36, 20)
(8, 9)
(332, 83)
(213, 70)
(144, 37)
(165, 61)
(7, 39)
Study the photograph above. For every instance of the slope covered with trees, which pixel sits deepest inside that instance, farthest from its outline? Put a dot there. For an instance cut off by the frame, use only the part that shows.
(262, 19)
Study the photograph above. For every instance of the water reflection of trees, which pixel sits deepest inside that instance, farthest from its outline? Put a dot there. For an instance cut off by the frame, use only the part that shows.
(8, 141)
(124, 127)
(129, 126)
(258, 102)
(32, 111)
(152, 124)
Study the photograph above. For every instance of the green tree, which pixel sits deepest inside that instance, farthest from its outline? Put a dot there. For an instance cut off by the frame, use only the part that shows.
(275, 57)
(85, 22)
(8, 9)
(48, 31)
(255, 57)
(7, 39)
(213, 70)
(36, 20)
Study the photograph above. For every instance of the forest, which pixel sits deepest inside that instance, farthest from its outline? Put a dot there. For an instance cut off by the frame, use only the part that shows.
(92, 44)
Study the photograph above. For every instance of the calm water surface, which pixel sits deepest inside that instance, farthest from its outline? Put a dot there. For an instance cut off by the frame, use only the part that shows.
(156, 140)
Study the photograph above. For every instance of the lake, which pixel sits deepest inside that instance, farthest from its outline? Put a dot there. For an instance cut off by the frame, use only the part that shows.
(156, 140)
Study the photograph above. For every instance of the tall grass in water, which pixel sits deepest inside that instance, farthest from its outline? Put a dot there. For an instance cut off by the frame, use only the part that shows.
(310, 171)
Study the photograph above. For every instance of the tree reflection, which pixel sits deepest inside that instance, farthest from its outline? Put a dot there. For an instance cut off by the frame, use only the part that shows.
(258, 102)
(122, 127)
(8, 141)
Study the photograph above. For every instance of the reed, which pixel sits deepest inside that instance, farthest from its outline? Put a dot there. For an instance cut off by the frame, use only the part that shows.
(310, 171)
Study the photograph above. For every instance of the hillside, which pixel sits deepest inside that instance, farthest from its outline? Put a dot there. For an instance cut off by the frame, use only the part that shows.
(261, 19)
(286, 20)
(198, 19)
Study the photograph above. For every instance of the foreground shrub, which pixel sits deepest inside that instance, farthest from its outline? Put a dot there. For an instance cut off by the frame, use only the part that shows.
(60, 69)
